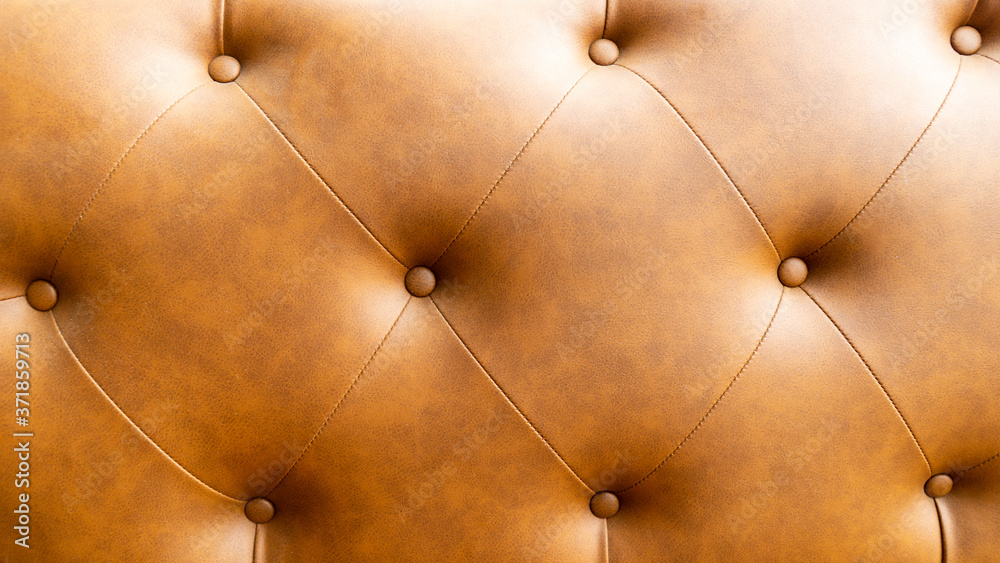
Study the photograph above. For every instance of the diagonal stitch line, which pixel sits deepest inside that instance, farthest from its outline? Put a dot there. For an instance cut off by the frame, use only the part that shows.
(509, 400)
(875, 377)
(113, 169)
(719, 399)
(509, 165)
(130, 421)
(320, 178)
(14, 297)
(896, 169)
(987, 57)
(982, 463)
(343, 397)
(718, 163)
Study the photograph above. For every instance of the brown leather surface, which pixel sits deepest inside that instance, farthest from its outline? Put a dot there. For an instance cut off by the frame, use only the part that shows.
(504, 280)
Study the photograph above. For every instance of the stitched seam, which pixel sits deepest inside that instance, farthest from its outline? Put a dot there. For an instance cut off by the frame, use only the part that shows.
(719, 399)
(253, 555)
(607, 9)
(875, 377)
(343, 397)
(14, 297)
(129, 419)
(972, 12)
(937, 509)
(509, 165)
(718, 163)
(982, 463)
(222, 27)
(607, 548)
(988, 57)
(896, 169)
(320, 178)
(507, 397)
(108, 177)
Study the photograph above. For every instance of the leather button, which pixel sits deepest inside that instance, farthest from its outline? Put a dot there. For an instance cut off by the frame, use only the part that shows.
(259, 510)
(938, 485)
(420, 281)
(224, 68)
(966, 40)
(41, 295)
(792, 272)
(604, 504)
(604, 52)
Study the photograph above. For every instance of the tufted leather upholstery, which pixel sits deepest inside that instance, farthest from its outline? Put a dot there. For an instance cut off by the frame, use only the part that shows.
(501, 280)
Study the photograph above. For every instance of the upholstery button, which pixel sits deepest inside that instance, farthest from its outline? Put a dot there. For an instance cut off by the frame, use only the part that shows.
(604, 52)
(224, 68)
(966, 40)
(938, 485)
(792, 271)
(259, 510)
(604, 504)
(420, 281)
(41, 295)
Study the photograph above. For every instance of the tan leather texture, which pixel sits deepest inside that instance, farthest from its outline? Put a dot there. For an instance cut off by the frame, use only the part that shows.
(500, 280)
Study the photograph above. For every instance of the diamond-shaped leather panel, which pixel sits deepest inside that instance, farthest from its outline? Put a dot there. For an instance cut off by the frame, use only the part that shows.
(509, 280)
